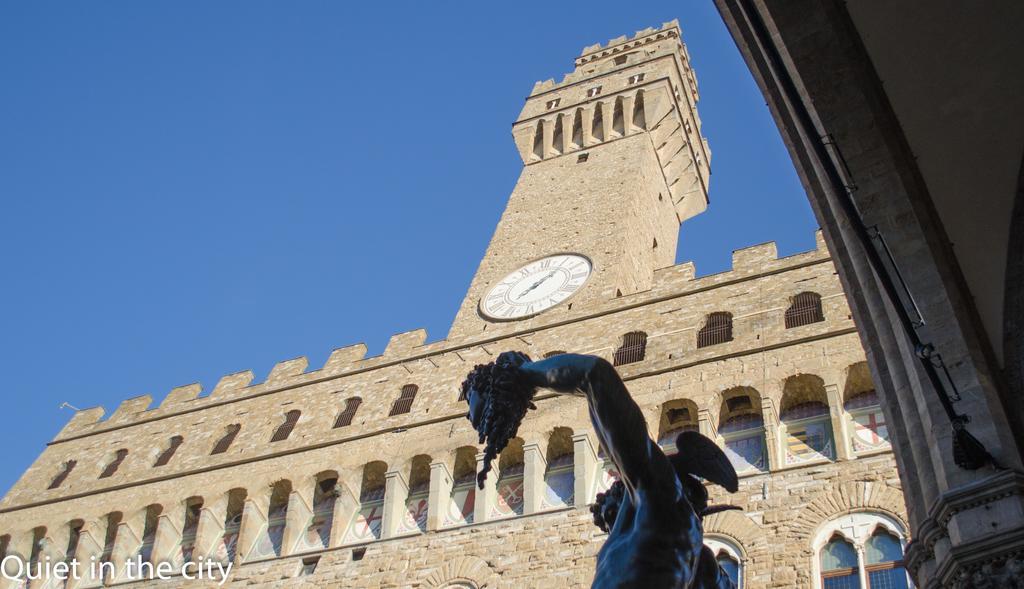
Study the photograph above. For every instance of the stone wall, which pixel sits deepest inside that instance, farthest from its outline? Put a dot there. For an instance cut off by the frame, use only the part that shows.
(781, 506)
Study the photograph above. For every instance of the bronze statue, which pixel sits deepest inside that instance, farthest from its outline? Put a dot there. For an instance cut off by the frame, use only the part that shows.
(653, 513)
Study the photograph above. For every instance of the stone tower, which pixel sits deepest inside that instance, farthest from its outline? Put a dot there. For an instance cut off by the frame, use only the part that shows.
(613, 162)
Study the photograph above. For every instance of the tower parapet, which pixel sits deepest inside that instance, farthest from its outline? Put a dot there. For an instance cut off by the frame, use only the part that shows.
(628, 86)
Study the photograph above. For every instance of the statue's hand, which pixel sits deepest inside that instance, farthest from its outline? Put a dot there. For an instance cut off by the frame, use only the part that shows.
(512, 358)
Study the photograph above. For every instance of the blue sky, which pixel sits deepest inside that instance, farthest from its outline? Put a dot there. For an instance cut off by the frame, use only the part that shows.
(190, 189)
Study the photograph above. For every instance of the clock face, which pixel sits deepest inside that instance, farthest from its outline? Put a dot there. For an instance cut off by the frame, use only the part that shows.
(536, 287)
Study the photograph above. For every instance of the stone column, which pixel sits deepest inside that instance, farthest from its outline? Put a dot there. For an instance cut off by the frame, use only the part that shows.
(396, 490)
(588, 124)
(345, 507)
(584, 469)
(167, 539)
(127, 542)
(548, 138)
(484, 497)
(210, 529)
(705, 425)
(534, 465)
(607, 117)
(254, 519)
(840, 427)
(566, 145)
(20, 545)
(54, 547)
(772, 434)
(300, 513)
(440, 494)
(90, 545)
(627, 114)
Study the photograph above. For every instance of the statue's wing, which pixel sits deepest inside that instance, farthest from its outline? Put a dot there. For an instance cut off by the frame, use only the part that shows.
(700, 456)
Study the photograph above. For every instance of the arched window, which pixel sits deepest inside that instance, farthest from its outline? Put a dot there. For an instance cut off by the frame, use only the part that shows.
(839, 565)
(677, 416)
(860, 550)
(414, 518)
(463, 496)
(577, 129)
(806, 420)
(366, 525)
(317, 534)
(741, 426)
(617, 124)
(559, 475)
(403, 404)
(804, 309)
(538, 141)
(168, 453)
(883, 561)
(227, 547)
(633, 348)
(74, 536)
(870, 431)
(729, 558)
(193, 509)
(285, 429)
(717, 330)
(270, 537)
(639, 117)
(346, 415)
(65, 470)
(557, 138)
(145, 552)
(114, 464)
(113, 521)
(224, 443)
(508, 500)
(597, 126)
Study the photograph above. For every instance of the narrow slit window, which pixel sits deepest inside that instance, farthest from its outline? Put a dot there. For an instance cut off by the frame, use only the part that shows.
(168, 453)
(349, 412)
(63, 474)
(225, 442)
(285, 429)
(403, 404)
(114, 464)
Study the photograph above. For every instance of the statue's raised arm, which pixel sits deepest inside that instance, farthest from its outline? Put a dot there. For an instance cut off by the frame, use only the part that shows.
(653, 514)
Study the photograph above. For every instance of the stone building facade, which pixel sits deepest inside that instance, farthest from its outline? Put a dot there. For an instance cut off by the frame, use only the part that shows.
(359, 473)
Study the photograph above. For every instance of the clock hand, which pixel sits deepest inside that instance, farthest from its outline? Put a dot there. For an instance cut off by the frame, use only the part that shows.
(536, 284)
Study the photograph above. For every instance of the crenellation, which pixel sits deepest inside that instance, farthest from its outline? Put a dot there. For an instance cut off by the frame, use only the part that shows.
(287, 370)
(343, 359)
(753, 258)
(82, 420)
(129, 410)
(402, 344)
(181, 395)
(232, 385)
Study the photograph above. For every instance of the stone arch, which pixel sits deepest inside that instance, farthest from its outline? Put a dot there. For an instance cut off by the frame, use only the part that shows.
(736, 526)
(845, 498)
(858, 381)
(464, 571)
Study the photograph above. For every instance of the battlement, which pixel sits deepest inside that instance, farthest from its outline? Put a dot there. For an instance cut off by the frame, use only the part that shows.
(584, 64)
(409, 346)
